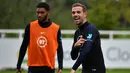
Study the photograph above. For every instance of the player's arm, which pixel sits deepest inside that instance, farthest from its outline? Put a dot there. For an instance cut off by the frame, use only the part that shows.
(60, 51)
(90, 37)
(23, 47)
(75, 50)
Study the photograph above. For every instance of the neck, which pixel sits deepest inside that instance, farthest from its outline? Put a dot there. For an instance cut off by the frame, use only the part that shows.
(82, 23)
(43, 21)
(45, 24)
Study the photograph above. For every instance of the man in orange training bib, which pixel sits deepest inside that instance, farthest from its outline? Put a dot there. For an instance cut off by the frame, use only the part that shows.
(43, 39)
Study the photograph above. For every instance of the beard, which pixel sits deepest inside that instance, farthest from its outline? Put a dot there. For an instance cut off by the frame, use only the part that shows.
(41, 19)
(78, 22)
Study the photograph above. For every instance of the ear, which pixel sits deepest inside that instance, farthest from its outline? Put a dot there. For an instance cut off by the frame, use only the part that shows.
(85, 14)
(48, 14)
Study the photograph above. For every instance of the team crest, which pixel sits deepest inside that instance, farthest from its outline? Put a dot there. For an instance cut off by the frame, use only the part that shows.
(89, 36)
(41, 41)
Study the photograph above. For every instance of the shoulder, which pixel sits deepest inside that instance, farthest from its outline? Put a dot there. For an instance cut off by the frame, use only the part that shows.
(35, 21)
(55, 25)
(76, 31)
(91, 28)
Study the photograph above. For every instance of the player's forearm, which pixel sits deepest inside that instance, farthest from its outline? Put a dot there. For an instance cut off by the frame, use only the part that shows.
(59, 50)
(74, 52)
(22, 52)
(21, 56)
(23, 47)
(86, 48)
(60, 56)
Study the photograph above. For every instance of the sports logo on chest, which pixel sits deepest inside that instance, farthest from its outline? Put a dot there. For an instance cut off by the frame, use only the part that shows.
(41, 41)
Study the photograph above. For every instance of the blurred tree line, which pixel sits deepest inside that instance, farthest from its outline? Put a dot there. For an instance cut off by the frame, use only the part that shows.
(104, 14)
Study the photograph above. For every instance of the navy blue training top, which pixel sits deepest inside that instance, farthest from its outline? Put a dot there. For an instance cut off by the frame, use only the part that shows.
(90, 53)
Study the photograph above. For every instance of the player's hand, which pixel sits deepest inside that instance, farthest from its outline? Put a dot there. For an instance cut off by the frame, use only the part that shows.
(59, 71)
(80, 42)
(73, 71)
(19, 71)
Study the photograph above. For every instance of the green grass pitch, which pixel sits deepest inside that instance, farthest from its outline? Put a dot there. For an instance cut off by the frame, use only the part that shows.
(78, 71)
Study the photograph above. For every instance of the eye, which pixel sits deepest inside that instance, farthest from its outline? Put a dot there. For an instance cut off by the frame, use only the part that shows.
(78, 12)
(73, 12)
(41, 12)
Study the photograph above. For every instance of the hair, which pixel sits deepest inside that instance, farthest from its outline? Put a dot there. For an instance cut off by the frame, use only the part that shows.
(44, 5)
(81, 5)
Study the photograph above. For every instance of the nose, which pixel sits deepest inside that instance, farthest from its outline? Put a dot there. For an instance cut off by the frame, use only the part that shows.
(75, 14)
(39, 14)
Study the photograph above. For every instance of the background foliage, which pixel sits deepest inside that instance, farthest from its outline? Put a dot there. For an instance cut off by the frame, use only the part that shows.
(104, 14)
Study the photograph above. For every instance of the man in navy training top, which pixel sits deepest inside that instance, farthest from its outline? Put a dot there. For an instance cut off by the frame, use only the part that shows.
(86, 48)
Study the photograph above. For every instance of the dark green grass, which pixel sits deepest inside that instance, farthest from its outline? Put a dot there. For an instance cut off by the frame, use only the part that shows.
(78, 71)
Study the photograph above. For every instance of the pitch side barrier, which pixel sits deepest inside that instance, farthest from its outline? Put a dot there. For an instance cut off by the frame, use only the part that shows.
(115, 47)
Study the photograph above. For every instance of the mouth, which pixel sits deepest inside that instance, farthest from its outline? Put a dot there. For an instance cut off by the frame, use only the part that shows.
(76, 18)
(39, 17)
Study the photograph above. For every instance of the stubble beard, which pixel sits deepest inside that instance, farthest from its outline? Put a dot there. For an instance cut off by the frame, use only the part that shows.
(78, 23)
(45, 18)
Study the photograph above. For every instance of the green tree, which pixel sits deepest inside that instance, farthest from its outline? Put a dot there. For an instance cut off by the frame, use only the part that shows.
(17, 13)
(107, 14)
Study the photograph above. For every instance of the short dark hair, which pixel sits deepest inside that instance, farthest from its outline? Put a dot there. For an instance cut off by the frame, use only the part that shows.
(44, 5)
(81, 5)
